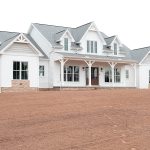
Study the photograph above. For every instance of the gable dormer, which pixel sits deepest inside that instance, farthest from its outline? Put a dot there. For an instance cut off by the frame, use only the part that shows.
(64, 38)
(114, 46)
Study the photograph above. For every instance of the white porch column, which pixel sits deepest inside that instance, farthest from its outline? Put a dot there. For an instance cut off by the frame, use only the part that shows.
(89, 74)
(62, 62)
(112, 64)
(89, 63)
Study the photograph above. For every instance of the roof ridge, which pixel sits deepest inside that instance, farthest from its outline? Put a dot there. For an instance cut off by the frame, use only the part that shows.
(64, 26)
(141, 48)
(82, 25)
(51, 25)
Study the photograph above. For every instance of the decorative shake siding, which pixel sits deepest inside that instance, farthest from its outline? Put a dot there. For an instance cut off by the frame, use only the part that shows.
(20, 48)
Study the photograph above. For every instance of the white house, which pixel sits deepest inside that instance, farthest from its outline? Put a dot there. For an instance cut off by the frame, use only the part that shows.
(54, 56)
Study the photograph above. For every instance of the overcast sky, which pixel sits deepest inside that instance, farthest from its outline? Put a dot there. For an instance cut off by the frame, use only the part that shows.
(129, 19)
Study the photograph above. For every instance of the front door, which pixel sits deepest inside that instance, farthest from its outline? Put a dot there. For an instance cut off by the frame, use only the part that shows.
(94, 76)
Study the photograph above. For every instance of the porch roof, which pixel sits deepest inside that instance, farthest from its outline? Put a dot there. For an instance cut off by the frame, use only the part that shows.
(75, 56)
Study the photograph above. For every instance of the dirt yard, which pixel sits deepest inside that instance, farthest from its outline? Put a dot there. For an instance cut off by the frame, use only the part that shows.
(75, 120)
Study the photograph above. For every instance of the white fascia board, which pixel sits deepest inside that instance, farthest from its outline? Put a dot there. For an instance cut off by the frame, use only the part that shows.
(116, 37)
(15, 40)
(30, 28)
(67, 31)
(144, 58)
(101, 38)
(41, 34)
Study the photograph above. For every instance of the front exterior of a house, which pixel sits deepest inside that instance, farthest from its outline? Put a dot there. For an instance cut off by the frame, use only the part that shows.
(57, 57)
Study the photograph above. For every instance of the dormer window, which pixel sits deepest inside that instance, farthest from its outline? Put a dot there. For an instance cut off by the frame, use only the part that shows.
(78, 44)
(91, 46)
(66, 44)
(115, 49)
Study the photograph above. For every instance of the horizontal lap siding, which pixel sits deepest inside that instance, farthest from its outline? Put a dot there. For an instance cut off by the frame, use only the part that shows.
(20, 48)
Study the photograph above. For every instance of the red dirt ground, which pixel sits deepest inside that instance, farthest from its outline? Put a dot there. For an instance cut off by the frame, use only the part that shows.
(75, 120)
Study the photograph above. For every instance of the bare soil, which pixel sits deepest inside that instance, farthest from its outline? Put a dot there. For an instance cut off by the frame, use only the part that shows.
(75, 120)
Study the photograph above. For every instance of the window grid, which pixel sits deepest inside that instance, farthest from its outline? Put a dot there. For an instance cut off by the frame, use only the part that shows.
(117, 75)
(20, 70)
(41, 71)
(115, 49)
(66, 44)
(91, 46)
(127, 74)
(71, 73)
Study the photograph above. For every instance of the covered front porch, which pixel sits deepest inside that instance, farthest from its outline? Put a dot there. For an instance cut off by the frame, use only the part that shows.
(94, 72)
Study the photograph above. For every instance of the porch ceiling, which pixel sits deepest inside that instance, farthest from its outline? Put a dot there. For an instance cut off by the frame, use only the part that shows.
(96, 58)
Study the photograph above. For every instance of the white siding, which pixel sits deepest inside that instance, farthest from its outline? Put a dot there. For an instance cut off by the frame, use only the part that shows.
(20, 48)
(144, 76)
(143, 73)
(44, 80)
(91, 36)
(130, 82)
(7, 72)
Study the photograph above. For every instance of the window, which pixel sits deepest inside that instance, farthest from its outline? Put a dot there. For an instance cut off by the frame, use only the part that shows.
(95, 45)
(117, 75)
(66, 44)
(71, 73)
(88, 46)
(92, 46)
(149, 76)
(41, 71)
(115, 49)
(127, 74)
(108, 75)
(20, 70)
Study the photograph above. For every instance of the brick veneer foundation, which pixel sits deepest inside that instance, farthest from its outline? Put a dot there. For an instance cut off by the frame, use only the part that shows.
(19, 86)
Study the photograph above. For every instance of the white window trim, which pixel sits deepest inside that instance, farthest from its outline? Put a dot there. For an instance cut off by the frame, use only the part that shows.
(127, 74)
(66, 44)
(20, 70)
(42, 76)
(110, 75)
(115, 52)
(92, 47)
(65, 74)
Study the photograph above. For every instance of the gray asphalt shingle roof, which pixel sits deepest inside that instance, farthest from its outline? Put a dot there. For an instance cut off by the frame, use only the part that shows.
(139, 54)
(109, 39)
(8, 37)
(53, 33)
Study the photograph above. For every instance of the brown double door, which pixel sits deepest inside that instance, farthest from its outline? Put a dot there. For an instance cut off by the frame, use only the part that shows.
(94, 76)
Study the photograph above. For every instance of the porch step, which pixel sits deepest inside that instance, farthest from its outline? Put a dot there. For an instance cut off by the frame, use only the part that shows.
(81, 88)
